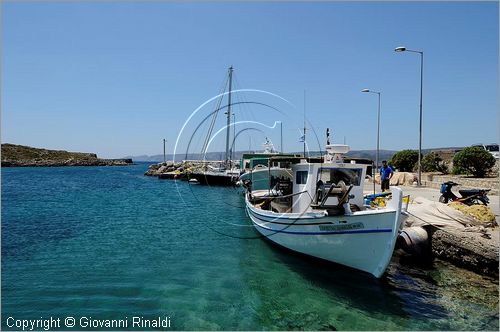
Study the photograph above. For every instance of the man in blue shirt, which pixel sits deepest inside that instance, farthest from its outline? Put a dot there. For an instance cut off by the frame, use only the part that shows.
(386, 174)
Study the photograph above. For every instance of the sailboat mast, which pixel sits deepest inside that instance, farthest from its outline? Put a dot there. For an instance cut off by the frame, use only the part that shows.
(304, 123)
(229, 114)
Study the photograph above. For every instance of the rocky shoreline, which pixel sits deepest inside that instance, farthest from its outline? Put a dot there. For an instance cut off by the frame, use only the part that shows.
(69, 162)
(26, 156)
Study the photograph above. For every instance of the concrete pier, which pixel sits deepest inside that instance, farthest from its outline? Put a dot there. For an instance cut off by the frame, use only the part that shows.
(468, 250)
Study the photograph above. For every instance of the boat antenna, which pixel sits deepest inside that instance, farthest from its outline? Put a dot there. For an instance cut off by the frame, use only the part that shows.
(228, 115)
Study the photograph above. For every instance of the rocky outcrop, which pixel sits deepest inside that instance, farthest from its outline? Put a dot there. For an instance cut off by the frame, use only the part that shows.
(25, 156)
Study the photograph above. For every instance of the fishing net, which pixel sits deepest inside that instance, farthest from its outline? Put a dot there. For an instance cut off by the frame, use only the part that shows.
(478, 212)
(424, 212)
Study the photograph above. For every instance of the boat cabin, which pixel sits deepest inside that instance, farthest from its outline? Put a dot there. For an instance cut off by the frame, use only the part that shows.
(311, 184)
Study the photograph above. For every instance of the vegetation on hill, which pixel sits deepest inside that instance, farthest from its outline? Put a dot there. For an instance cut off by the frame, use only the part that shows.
(20, 155)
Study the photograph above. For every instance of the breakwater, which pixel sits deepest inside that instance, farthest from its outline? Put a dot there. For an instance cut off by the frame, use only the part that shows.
(180, 170)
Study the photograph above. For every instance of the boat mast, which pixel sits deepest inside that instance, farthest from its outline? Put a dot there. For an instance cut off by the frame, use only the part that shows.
(304, 123)
(229, 115)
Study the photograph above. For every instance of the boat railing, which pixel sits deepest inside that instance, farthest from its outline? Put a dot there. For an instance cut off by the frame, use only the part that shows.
(270, 198)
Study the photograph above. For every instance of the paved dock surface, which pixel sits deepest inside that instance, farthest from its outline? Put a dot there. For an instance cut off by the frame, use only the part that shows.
(469, 250)
(433, 195)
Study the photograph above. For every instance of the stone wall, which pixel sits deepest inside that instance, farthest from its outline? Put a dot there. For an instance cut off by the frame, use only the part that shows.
(433, 180)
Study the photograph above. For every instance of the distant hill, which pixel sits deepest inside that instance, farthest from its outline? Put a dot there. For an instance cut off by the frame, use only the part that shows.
(22, 156)
(366, 154)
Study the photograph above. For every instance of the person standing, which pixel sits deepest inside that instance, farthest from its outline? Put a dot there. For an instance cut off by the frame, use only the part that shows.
(386, 174)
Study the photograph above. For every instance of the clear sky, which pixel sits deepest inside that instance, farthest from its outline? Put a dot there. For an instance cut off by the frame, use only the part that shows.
(116, 78)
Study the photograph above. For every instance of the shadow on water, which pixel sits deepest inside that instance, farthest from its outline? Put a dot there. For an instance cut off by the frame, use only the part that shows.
(407, 292)
(361, 289)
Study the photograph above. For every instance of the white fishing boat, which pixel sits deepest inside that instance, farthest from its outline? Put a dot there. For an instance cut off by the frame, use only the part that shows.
(318, 210)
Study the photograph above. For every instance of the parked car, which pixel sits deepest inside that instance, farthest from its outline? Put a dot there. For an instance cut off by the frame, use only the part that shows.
(491, 148)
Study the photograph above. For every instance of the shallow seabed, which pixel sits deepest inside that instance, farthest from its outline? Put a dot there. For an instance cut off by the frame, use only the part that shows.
(110, 243)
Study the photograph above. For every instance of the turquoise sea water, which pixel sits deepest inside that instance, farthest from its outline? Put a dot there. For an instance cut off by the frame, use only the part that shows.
(110, 243)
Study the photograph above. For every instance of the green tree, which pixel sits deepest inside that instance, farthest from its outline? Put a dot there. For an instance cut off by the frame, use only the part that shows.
(473, 160)
(431, 162)
(404, 160)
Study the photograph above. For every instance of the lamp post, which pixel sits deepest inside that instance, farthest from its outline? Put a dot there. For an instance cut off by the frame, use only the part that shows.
(404, 49)
(164, 151)
(378, 134)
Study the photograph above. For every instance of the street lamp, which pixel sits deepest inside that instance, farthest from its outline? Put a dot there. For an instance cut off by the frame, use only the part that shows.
(378, 134)
(404, 49)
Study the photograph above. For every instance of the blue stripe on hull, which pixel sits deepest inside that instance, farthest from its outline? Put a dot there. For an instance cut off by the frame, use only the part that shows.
(381, 230)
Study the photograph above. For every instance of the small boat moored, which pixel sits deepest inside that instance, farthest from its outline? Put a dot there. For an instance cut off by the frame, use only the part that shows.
(318, 210)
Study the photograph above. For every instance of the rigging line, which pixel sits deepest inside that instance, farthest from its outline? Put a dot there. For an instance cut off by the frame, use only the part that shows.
(214, 118)
(211, 127)
(237, 96)
(216, 110)
(245, 108)
(212, 124)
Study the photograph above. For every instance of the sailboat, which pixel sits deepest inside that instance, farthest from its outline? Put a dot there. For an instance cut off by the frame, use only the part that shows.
(227, 173)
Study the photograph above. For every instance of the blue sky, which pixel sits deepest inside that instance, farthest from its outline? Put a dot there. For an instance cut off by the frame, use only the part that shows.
(116, 78)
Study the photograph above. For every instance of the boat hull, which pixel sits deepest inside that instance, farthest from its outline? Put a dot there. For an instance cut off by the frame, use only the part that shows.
(364, 240)
(214, 179)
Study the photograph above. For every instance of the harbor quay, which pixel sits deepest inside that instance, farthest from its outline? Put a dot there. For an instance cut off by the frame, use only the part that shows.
(475, 251)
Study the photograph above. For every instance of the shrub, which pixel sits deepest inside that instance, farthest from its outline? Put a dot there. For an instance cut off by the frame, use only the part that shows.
(459, 171)
(404, 160)
(431, 162)
(473, 160)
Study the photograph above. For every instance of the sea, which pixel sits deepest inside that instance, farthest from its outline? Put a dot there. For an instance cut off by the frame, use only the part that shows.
(96, 245)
